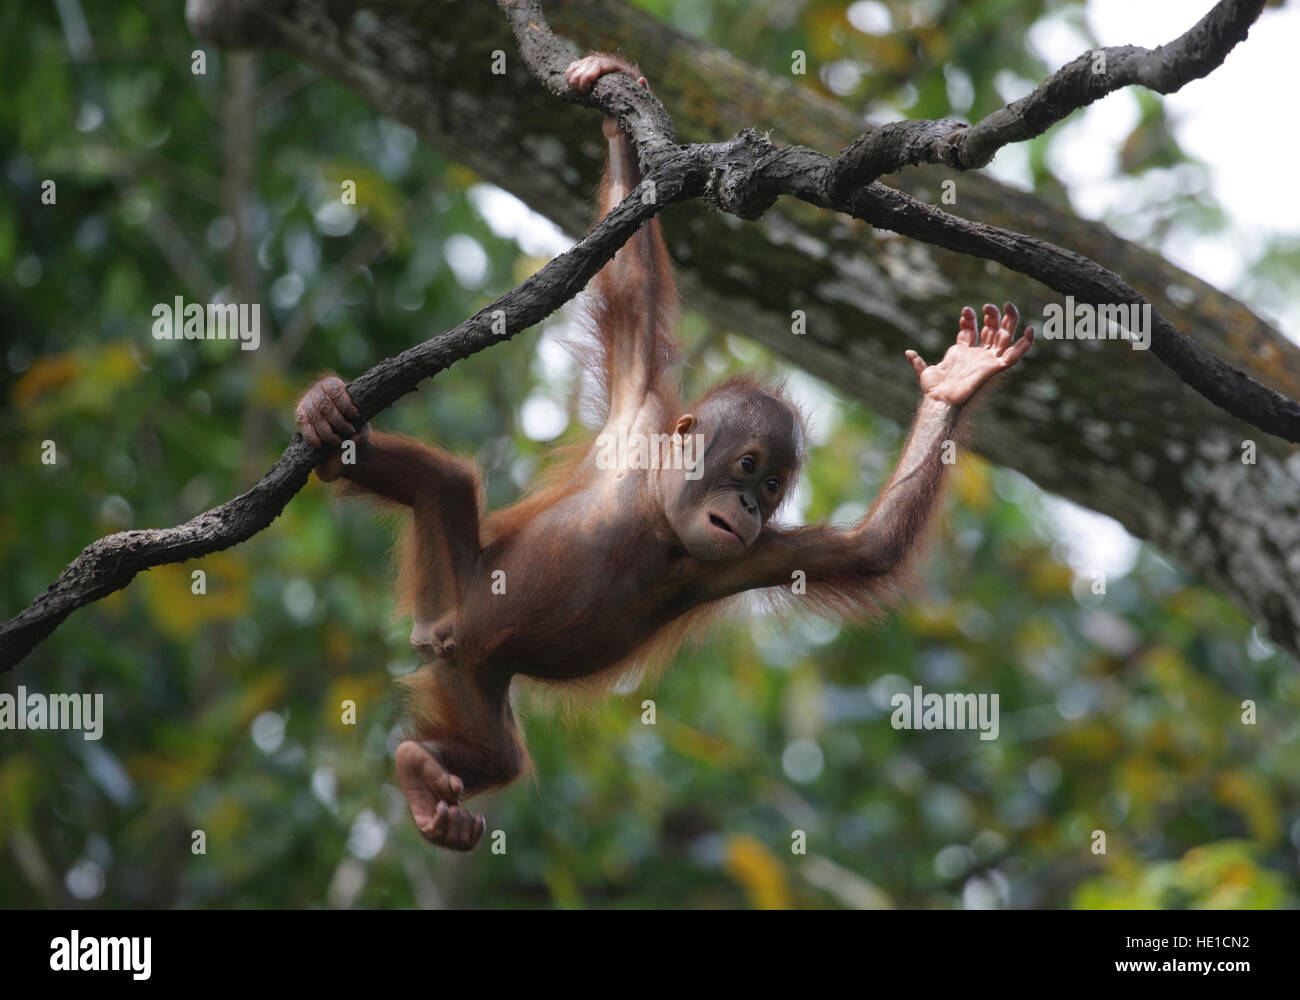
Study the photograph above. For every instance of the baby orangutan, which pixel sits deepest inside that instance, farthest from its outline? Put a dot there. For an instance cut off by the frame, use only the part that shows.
(606, 561)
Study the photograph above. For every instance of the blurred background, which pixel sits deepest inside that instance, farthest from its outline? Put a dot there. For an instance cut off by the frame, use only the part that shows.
(222, 712)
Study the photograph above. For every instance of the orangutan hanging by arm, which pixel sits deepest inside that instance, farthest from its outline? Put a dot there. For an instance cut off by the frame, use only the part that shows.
(605, 563)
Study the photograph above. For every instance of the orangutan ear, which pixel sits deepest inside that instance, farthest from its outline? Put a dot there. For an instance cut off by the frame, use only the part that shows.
(684, 423)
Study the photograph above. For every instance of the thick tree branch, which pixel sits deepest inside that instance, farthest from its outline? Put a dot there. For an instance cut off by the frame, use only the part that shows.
(748, 184)
(547, 56)
(1090, 77)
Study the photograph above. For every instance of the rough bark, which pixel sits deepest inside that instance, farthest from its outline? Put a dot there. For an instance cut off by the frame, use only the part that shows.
(1167, 68)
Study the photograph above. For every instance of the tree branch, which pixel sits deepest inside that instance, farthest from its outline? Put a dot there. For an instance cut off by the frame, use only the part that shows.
(111, 563)
(744, 176)
(1090, 77)
(758, 173)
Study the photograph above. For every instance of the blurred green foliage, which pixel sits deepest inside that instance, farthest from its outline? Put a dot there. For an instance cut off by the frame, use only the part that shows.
(1120, 713)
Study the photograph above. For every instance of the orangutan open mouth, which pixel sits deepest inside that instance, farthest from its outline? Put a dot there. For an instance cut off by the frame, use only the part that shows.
(718, 522)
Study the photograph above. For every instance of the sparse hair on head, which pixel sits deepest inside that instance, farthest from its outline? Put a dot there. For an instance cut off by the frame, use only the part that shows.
(747, 387)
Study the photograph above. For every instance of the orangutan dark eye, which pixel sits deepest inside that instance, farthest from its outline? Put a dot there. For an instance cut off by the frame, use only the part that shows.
(747, 463)
(773, 485)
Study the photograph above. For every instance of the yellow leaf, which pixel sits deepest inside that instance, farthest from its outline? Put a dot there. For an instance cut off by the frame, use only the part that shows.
(757, 871)
(384, 206)
(1049, 579)
(274, 390)
(116, 365)
(692, 742)
(364, 690)
(178, 612)
(223, 820)
(972, 481)
(1249, 797)
(461, 177)
(562, 886)
(44, 375)
(933, 618)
